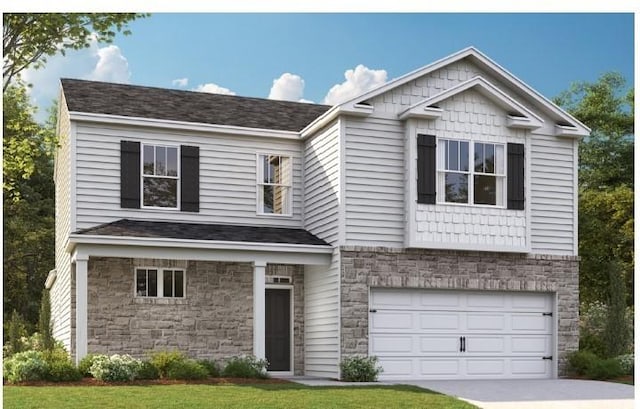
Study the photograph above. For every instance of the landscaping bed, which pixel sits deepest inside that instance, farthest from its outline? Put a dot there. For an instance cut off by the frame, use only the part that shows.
(206, 381)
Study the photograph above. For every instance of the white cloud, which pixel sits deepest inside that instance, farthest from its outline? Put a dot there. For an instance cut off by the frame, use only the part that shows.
(358, 81)
(213, 89)
(95, 62)
(180, 82)
(289, 87)
(111, 66)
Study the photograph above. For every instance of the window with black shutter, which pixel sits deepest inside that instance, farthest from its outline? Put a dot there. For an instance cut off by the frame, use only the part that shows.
(515, 176)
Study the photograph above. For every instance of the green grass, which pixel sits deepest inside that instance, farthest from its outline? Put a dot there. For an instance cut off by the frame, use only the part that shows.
(228, 396)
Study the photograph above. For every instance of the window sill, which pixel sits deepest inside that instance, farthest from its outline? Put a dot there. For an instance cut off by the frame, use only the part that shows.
(474, 206)
(160, 300)
(276, 215)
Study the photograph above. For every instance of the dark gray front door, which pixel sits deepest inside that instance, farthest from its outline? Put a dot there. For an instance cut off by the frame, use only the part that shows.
(278, 329)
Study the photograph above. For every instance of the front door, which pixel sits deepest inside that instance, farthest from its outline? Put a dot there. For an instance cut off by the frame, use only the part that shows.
(278, 329)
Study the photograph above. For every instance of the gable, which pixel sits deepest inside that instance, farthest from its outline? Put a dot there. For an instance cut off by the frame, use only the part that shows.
(410, 89)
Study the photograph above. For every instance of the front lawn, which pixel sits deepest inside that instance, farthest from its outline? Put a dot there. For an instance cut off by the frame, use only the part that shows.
(226, 396)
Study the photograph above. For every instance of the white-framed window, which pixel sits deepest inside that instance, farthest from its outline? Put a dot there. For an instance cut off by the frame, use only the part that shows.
(274, 184)
(471, 172)
(160, 282)
(160, 176)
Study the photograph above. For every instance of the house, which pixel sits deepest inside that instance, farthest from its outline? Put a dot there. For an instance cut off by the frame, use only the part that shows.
(431, 222)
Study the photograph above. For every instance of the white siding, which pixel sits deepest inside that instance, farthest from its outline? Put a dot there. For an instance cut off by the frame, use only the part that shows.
(227, 176)
(374, 182)
(61, 289)
(322, 175)
(470, 116)
(552, 195)
(322, 183)
(321, 319)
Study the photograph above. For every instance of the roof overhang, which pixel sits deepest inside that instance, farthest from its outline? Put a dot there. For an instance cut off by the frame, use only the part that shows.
(83, 245)
(556, 113)
(523, 118)
(181, 125)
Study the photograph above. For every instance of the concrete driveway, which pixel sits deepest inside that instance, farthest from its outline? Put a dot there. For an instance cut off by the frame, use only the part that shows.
(536, 394)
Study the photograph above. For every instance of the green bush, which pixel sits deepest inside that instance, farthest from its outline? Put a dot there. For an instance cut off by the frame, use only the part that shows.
(604, 369)
(162, 359)
(626, 363)
(360, 369)
(246, 366)
(186, 369)
(25, 366)
(580, 361)
(211, 366)
(85, 364)
(147, 371)
(114, 368)
(60, 368)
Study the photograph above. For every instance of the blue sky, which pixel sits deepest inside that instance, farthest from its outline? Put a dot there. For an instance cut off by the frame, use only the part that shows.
(309, 54)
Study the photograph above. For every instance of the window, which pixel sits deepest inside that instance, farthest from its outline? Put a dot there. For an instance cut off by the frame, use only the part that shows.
(472, 173)
(150, 282)
(160, 177)
(274, 184)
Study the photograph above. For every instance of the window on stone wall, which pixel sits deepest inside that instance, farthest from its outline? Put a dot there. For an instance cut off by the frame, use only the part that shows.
(154, 282)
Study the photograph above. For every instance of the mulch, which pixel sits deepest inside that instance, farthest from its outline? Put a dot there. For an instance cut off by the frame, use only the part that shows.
(208, 381)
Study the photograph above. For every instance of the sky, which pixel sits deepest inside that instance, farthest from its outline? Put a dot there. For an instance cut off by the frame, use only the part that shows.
(329, 57)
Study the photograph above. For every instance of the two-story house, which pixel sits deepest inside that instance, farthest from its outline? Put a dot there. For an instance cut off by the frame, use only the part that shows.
(431, 222)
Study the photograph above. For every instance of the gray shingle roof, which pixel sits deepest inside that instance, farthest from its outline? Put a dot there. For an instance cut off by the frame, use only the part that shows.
(187, 106)
(198, 231)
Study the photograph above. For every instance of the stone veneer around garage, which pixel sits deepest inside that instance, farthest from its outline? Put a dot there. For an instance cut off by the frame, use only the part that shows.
(214, 320)
(366, 267)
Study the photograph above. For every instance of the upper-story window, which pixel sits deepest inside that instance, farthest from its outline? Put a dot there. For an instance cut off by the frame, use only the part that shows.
(472, 173)
(274, 184)
(160, 176)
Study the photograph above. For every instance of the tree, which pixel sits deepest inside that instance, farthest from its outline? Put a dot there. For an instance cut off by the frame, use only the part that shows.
(29, 38)
(28, 204)
(605, 184)
(45, 327)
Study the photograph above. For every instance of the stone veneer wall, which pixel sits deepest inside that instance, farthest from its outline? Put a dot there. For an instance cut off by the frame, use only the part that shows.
(214, 320)
(365, 267)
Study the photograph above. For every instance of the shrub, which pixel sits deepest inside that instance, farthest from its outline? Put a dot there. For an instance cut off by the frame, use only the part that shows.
(604, 369)
(114, 368)
(360, 369)
(162, 359)
(44, 322)
(60, 368)
(16, 329)
(25, 366)
(618, 330)
(580, 361)
(246, 366)
(85, 365)
(211, 366)
(147, 371)
(626, 363)
(186, 369)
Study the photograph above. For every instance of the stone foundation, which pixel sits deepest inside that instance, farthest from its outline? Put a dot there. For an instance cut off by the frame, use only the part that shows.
(363, 267)
(214, 320)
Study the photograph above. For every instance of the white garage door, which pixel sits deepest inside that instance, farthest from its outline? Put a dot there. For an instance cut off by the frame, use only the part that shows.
(425, 334)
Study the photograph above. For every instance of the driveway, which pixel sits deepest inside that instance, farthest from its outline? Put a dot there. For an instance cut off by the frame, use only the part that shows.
(536, 394)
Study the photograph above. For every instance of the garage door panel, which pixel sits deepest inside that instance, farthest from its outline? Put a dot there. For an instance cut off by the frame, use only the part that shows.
(485, 322)
(530, 322)
(442, 300)
(390, 299)
(478, 300)
(434, 368)
(439, 321)
(391, 320)
(392, 344)
(484, 367)
(531, 345)
(395, 367)
(534, 302)
(485, 345)
(447, 344)
(531, 367)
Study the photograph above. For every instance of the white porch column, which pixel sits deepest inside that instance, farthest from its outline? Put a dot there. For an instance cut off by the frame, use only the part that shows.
(259, 269)
(81, 308)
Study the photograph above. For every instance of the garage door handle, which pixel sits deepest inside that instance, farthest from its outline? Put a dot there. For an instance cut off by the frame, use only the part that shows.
(464, 344)
(461, 347)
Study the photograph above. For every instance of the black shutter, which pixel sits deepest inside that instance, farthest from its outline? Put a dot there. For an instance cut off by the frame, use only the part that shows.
(427, 169)
(189, 178)
(515, 176)
(130, 174)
